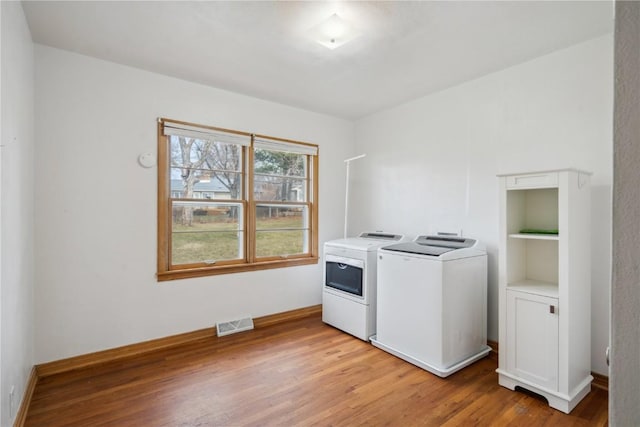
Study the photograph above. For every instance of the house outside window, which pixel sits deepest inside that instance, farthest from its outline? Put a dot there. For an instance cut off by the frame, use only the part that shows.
(232, 201)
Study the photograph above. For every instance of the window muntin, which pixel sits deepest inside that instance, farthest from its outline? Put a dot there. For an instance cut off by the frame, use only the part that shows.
(281, 230)
(280, 175)
(205, 168)
(231, 201)
(205, 184)
(207, 163)
(271, 188)
(206, 232)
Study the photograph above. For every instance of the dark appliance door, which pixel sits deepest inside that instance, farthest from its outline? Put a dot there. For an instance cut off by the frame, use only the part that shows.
(345, 277)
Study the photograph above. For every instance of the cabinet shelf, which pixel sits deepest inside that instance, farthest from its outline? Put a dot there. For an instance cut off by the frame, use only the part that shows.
(535, 287)
(534, 236)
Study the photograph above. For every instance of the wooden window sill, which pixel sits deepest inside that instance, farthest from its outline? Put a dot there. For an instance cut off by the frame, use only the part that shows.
(233, 268)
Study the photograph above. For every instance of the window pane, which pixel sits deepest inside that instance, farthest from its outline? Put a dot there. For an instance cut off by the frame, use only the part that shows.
(279, 242)
(202, 154)
(281, 230)
(205, 232)
(270, 188)
(281, 217)
(187, 183)
(279, 163)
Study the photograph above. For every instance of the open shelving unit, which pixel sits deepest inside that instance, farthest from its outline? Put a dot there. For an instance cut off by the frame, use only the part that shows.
(545, 285)
(532, 258)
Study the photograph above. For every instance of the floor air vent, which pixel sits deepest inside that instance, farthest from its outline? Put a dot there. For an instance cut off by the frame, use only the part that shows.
(233, 326)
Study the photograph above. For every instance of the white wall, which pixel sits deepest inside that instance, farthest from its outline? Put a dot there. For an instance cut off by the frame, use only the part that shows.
(16, 208)
(432, 163)
(96, 208)
(624, 384)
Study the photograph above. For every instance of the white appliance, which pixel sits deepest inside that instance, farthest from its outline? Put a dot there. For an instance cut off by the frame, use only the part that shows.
(432, 302)
(349, 291)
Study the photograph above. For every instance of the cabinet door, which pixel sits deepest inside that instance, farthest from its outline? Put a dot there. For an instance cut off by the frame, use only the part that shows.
(532, 338)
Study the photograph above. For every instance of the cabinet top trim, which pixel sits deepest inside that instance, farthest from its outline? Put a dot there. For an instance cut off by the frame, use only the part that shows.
(545, 171)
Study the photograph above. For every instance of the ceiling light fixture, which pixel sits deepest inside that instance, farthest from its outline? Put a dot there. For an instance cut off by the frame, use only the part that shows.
(333, 32)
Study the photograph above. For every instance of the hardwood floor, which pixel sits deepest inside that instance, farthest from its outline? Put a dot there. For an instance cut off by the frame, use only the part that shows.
(293, 374)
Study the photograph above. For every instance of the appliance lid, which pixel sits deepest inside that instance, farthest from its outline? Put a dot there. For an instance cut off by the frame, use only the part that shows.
(431, 245)
(445, 241)
(379, 235)
(368, 241)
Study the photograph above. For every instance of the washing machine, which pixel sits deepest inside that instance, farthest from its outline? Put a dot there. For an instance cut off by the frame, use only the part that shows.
(432, 302)
(349, 290)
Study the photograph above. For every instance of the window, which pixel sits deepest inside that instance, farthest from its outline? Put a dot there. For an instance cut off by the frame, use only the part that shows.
(232, 201)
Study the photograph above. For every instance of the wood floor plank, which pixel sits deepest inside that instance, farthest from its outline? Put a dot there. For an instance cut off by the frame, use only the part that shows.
(299, 373)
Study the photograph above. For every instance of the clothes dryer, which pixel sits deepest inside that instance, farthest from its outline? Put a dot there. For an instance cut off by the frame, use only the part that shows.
(349, 290)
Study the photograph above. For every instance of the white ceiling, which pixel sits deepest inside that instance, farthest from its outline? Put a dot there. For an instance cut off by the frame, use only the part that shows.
(406, 50)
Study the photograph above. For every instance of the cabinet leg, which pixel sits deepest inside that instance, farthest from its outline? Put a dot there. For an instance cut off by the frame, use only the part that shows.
(556, 401)
(559, 404)
(507, 382)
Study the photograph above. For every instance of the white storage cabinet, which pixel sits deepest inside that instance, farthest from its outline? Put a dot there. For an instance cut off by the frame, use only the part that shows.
(545, 285)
